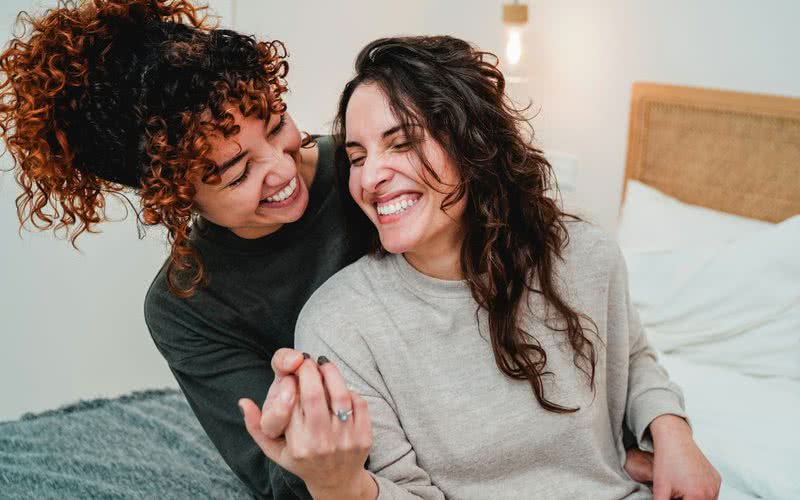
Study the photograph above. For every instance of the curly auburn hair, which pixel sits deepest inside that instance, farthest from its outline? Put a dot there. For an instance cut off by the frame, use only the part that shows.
(102, 96)
(514, 231)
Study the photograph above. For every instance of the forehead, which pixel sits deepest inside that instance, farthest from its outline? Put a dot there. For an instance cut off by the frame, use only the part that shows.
(223, 147)
(368, 112)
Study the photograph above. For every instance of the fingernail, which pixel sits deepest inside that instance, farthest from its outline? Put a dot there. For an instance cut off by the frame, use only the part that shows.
(306, 355)
(322, 360)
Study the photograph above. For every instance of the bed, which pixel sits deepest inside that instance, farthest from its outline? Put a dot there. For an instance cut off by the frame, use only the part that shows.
(710, 230)
(708, 175)
(143, 445)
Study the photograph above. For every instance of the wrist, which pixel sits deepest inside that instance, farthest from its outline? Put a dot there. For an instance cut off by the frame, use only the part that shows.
(669, 427)
(361, 487)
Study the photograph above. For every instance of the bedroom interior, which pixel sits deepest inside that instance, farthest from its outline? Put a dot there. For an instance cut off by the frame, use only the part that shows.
(687, 148)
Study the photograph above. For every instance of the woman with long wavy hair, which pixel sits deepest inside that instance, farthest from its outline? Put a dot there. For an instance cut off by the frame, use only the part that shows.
(486, 347)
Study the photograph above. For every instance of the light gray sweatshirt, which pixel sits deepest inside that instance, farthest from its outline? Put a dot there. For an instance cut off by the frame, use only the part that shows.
(448, 423)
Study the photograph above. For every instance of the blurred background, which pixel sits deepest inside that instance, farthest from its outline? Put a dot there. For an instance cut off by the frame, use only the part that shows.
(72, 324)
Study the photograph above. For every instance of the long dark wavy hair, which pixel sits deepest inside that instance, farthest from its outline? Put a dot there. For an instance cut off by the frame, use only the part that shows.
(514, 230)
(101, 96)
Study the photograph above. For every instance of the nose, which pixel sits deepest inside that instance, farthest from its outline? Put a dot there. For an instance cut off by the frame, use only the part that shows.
(375, 173)
(281, 171)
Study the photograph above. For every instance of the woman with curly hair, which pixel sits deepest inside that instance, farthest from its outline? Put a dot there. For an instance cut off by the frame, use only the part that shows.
(108, 96)
(486, 347)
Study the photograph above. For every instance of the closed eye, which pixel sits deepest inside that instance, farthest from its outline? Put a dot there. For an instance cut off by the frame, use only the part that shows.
(278, 127)
(242, 177)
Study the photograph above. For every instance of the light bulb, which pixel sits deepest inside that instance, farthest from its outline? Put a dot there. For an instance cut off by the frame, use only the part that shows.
(513, 45)
(515, 20)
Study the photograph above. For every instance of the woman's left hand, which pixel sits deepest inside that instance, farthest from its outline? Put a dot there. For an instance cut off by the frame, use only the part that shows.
(680, 469)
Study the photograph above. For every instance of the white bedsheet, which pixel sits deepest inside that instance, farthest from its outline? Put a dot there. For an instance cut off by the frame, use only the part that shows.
(746, 426)
(720, 294)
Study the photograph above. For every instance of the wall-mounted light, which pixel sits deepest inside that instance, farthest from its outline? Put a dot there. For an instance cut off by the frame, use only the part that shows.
(515, 22)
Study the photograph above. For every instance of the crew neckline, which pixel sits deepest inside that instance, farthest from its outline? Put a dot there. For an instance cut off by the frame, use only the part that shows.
(428, 285)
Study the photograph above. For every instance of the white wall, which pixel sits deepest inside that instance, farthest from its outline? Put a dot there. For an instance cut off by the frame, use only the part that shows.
(72, 322)
(591, 53)
(584, 56)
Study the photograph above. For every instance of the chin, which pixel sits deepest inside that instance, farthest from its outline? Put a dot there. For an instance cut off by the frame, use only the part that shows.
(397, 244)
(299, 211)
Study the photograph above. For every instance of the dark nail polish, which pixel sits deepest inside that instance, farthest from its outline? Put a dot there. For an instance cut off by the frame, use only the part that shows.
(306, 355)
(322, 360)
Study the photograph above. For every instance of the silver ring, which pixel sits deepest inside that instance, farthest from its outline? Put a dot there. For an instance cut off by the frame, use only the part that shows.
(343, 415)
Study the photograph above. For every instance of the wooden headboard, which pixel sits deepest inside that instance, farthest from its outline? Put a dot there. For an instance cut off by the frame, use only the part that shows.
(730, 151)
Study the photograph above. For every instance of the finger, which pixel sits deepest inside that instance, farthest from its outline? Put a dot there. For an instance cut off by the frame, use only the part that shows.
(338, 393)
(252, 418)
(312, 398)
(361, 420)
(297, 437)
(276, 391)
(645, 471)
(637, 470)
(639, 465)
(286, 361)
(278, 412)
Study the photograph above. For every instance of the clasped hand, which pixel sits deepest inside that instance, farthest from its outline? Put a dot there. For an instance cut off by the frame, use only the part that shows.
(312, 425)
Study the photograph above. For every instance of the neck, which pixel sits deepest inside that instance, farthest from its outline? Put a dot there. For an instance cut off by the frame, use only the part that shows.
(441, 260)
(252, 233)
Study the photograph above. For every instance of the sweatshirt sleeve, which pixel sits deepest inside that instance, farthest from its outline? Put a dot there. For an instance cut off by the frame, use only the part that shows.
(650, 392)
(392, 460)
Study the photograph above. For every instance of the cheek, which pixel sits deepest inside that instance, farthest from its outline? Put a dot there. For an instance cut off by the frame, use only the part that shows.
(354, 185)
(226, 203)
(296, 139)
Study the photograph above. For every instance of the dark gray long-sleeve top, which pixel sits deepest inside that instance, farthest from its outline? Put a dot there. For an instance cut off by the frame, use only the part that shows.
(219, 342)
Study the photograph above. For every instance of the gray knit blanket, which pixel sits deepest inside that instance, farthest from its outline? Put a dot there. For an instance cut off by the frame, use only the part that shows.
(143, 445)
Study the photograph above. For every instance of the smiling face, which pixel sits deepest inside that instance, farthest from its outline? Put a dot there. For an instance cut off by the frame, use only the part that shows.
(264, 183)
(388, 180)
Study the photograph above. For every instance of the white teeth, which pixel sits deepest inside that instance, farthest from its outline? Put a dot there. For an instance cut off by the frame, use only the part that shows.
(284, 193)
(397, 207)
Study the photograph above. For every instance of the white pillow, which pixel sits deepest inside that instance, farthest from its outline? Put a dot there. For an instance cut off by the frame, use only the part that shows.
(712, 287)
(652, 220)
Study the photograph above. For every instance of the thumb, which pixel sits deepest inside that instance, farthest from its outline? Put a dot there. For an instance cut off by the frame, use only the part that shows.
(286, 361)
(272, 448)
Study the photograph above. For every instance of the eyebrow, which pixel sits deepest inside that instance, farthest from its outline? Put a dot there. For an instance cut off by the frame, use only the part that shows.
(233, 161)
(221, 169)
(386, 134)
